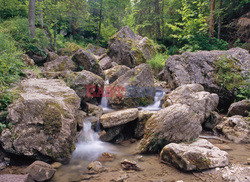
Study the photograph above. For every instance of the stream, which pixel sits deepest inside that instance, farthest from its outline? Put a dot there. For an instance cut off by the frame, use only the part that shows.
(89, 148)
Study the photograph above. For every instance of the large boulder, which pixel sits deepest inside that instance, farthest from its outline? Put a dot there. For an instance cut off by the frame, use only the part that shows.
(40, 171)
(96, 50)
(201, 67)
(105, 63)
(199, 155)
(193, 95)
(85, 61)
(239, 108)
(118, 117)
(235, 128)
(109, 134)
(42, 121)
(134, 88)
(114, 73)
(128, 48)
(88, 86)
(176, 123)
(61, 63)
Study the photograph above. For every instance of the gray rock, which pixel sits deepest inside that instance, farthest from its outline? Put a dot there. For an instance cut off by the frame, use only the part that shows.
(115, 72)
(83, 82)
(52, 56)
(61, 63)
(105, 63)
(109, 134)
(43, 121)
(118, 117)
(40, 171)
(128, 48)
(199, 155)
(143, 117)
(235, 128)
(214, 119)
(27, 60)
(176, 123)
(15, 178)
(134, 88)
(85, 61)
(239, 108)
(193, 95)
(199, 68)
(96, 50)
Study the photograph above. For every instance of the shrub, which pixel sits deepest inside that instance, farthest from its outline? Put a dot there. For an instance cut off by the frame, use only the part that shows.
(18, 29)
(229, 76)
(10, 71)
(157, 63)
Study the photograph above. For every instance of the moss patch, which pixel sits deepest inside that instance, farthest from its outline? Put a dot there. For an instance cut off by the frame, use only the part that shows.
(52, 118)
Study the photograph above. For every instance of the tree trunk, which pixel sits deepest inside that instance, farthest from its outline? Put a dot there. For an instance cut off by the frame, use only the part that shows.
(32, 17)
(162, 20)
(211, 23)
(40, 13)
(55, 27)
(100, 24)
(157, 23)
(219, 21)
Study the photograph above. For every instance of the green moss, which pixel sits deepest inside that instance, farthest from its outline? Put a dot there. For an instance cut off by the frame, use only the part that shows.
(52, 118)
(228, 73)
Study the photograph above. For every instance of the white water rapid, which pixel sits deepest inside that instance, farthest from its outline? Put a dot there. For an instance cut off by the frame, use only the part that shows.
(89, 147)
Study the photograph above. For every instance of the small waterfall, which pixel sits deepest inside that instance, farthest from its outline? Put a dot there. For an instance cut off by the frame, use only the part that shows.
(157, 101)
(104, 101)
(89, 147)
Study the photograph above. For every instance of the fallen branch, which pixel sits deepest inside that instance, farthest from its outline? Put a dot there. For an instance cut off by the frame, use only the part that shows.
(3, 51)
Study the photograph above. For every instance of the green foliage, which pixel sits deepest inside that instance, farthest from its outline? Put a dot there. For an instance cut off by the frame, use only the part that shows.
(12, 8)
(229, 76)
(18, 29)
(157, 63)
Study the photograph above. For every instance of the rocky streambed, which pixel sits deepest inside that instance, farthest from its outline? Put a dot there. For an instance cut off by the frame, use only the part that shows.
(129, 130)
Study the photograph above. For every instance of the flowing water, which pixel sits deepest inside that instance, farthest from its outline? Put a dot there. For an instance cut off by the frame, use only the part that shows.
(157, 102)
(89, 147)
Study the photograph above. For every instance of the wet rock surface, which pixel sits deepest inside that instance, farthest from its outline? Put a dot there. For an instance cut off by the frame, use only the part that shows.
(198, 155)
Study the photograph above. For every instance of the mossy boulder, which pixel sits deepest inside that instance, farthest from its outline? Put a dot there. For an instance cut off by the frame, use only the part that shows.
(176, 123)
(62, 63)
(96, 50)
(42, 120)
(217, 71)
(128, 48)
(134, 88)
(199, 155)
(86, 61)
(88, 86)
(114, 73)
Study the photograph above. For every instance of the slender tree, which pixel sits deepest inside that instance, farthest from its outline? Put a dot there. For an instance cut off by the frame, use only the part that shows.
(31, 17)
(100, 23)
(211, 23)
(40, 13)
(220, 19)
